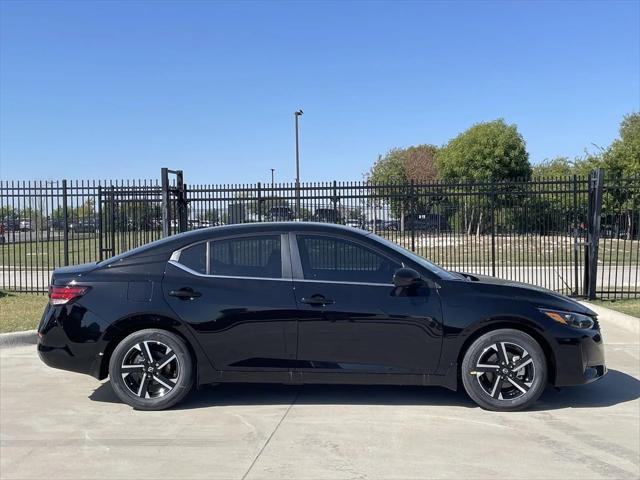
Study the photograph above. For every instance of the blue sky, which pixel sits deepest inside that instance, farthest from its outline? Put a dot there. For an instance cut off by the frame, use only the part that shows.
(119, 89)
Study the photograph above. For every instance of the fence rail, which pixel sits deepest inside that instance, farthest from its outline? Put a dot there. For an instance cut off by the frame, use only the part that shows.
(576, 235)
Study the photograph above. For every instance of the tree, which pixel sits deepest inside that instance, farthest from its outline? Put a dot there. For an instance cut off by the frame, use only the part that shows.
(621, 161)
(388, 169)
(622, 158)
(404, 165)
(555, 167)
(87, 209)
(399, 167)
(209, 215)
(420, 163)
(8, 213)
(486, 151)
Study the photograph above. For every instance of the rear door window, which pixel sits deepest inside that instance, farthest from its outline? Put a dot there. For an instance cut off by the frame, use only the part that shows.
(253, 257)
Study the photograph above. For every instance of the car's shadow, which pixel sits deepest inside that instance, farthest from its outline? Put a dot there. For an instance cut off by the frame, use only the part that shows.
(616, 387)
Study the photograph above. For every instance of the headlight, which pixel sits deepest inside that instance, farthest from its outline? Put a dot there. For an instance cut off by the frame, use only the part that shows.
(575, 320)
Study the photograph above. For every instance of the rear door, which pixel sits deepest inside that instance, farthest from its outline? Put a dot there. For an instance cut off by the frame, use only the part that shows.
(237, 295)
(351, 317)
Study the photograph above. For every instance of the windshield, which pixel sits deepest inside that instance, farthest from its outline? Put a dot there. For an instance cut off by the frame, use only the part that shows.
(441, 272)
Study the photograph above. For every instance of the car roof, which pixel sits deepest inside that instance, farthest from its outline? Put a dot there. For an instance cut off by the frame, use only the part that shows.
(276, 226)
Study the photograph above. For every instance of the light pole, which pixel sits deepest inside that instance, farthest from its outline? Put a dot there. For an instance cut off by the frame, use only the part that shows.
(297, 114)
(273, 184)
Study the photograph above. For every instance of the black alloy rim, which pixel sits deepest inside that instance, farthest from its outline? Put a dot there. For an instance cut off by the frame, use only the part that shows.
(150, 369)
(505, 371)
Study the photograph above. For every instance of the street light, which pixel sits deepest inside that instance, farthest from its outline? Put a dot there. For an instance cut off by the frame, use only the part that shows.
(272, 178)
(297, 114)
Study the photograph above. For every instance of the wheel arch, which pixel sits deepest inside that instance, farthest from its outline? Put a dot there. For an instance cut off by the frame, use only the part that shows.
(515, 324)
(134, 323)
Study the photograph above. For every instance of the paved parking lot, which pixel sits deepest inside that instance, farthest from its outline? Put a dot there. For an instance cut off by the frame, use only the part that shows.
(55, 425)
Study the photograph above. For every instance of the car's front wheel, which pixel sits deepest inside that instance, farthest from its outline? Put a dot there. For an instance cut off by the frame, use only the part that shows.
(504, 370)
(151, 369)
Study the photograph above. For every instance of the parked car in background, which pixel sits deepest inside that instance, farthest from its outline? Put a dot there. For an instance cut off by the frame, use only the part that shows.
(379, 225)
(83, 226)
(430, 223)
(281, 214)
(327, 215)
(56, 224)
(25, 225)
(11, 224)
(355, 223)
(197, 223)
(301, 303)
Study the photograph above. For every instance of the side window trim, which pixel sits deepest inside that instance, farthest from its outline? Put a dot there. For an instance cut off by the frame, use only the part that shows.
(296, 261)
(285, 257)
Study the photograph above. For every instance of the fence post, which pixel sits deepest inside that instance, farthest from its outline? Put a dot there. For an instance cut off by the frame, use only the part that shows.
(112, 208)
(493, 228)
(259, 202)
(413, 215)
(65, 223)
(166, 214)
(99, 225)
(182, 201)
(576, 239)
(596, 187)
(334, 200)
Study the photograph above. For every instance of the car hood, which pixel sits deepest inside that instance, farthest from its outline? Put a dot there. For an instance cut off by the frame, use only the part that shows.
(539, 296)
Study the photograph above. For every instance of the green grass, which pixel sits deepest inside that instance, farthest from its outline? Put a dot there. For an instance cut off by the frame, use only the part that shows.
(629, 306)
(522, 250)
(49, 254)
(20, 311)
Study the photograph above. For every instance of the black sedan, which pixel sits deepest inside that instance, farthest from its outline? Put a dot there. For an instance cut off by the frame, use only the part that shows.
(309, 303)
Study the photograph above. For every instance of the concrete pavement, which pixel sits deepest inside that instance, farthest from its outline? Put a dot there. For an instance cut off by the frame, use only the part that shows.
(56, 425)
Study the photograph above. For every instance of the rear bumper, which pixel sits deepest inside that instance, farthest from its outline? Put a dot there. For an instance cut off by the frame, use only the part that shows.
(64, 343)
(579, 358)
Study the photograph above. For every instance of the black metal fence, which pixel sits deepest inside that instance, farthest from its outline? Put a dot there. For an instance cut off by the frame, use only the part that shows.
(575, 235)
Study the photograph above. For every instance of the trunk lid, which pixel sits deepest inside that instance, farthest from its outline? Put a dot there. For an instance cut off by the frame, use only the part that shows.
(65, 275)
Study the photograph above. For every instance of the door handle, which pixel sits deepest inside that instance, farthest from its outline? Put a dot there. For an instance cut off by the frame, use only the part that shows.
(317, 301)
(185, 294)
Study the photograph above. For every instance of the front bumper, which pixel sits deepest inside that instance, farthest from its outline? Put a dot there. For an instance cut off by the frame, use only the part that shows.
(579, 357)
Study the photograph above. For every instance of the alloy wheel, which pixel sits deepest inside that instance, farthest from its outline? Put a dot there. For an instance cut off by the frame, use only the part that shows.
(505, 371)
(150, 369)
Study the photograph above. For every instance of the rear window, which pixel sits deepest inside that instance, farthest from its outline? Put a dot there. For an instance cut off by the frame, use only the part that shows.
(195, 258)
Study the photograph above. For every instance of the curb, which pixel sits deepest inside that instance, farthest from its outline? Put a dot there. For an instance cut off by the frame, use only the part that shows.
(619, 319)
(17, 339)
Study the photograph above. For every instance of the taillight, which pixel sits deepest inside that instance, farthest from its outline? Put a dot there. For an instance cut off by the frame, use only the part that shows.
(61, 294)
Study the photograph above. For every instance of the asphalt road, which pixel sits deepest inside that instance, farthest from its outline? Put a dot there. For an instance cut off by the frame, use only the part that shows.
(55, 425)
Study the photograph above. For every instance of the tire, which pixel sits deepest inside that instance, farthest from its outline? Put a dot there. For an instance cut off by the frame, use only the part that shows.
(151, 385)
(510, 388)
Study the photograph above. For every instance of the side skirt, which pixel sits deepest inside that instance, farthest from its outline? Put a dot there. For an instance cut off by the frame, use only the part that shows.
(343, 378)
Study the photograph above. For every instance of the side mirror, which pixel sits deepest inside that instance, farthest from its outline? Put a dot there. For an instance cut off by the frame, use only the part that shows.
(406, 277)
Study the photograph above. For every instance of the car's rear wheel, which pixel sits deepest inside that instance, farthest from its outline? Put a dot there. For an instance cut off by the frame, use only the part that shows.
(504, 370)
(151, 369)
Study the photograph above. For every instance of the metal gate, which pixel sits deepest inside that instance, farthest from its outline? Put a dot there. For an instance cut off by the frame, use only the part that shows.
(130, 216)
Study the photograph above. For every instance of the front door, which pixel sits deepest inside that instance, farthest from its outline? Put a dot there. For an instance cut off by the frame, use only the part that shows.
(237, 295)
(351, 316)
